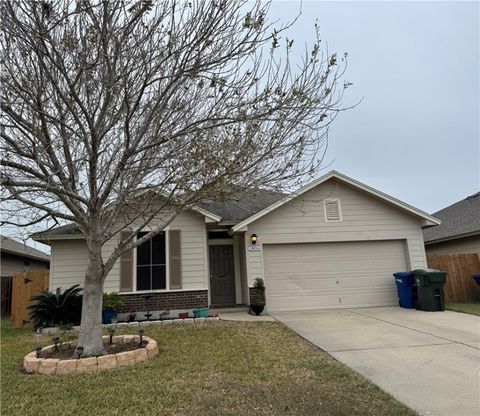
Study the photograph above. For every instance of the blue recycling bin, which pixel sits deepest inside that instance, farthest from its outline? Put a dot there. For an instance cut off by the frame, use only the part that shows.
(476, 277)
(405, 289)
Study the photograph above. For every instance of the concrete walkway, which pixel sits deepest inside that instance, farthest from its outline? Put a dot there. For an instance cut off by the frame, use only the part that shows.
(240, 314)
(428, 360)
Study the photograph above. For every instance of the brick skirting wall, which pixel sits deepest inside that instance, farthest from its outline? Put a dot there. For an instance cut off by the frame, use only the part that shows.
(165, 301)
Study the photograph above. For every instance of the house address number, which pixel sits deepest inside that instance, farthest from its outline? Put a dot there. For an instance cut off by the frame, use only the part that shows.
(254, 247)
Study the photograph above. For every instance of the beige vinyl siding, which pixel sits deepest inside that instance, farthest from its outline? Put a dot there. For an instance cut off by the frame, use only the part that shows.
(194, 250)
(364, 218)
(69, 261)
(50, 272)
(237, 242)
(459, 245)
(70, 257)
(242, 269)
(69, 264)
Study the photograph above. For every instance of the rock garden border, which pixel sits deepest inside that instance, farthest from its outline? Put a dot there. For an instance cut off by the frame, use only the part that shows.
(137, 324)
(32, 364)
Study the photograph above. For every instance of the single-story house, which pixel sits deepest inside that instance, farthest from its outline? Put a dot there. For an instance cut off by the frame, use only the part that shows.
(332, 244)
(17, 257)
(459, 231)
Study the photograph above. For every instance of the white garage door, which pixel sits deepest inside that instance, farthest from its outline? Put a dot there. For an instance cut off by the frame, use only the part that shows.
(332, 275)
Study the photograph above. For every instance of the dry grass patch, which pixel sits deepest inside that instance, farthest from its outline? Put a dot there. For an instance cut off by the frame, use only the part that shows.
(222, 368)
(472, 308)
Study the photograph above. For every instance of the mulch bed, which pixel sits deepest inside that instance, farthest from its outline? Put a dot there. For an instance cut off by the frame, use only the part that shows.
(67, 352)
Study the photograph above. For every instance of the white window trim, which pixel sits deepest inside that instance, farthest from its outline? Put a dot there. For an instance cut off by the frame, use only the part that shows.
(340, 214)
(167, 266)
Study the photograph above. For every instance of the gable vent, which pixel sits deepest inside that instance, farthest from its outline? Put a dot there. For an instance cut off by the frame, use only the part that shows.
(332, 210)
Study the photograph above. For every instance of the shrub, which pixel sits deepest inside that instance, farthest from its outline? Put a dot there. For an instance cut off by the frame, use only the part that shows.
(258, 294)
(112, 301)
(56, 308)
(258, 283)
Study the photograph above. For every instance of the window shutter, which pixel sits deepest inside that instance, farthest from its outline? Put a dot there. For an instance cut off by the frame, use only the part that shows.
(332, 210)
(126, 267)
(175, 259)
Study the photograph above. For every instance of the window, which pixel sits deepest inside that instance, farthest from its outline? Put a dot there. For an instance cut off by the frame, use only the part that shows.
(151, 263)
(332, 209)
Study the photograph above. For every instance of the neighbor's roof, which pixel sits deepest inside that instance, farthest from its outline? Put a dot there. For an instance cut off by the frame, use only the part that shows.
(458, 220)
(10, 246)
(429, 220)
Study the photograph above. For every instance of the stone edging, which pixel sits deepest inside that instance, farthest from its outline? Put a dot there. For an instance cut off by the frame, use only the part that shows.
(32, 364)
(137, 324)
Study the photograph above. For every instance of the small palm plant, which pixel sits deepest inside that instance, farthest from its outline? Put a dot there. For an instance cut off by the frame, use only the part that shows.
(56, 308)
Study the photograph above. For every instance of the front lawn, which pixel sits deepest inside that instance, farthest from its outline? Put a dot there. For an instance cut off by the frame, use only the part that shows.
(472, 308)
(219, 368)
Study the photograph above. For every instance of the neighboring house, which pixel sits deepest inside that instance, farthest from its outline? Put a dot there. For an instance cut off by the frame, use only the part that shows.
(459, 231)
(334, 243)
(17, 257)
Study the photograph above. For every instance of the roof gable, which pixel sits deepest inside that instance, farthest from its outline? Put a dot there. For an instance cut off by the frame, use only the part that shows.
(429, 220)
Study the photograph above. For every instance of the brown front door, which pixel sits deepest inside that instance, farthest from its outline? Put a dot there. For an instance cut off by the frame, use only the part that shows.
(222, 276)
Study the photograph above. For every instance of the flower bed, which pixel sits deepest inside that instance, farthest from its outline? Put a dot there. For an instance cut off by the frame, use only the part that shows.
(32, 364)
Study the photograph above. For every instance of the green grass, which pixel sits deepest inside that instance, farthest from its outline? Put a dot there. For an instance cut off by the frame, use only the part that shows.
(472, 308)
(219, 368)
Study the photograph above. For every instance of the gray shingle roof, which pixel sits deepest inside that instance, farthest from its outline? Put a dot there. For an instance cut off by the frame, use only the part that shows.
(8, 245)
(243, 205)
(458, 219)
(69, 229)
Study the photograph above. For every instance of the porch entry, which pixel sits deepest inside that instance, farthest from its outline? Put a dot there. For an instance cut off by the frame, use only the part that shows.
(222, 275)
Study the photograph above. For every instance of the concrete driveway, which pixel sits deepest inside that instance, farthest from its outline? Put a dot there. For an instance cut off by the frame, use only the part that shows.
(428, 360)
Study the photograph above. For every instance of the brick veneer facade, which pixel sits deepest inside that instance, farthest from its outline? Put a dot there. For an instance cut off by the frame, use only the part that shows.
(165, 301)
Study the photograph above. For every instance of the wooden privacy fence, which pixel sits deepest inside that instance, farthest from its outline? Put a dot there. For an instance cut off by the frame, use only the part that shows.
(6, 292)
(460, 286)
(24, 286)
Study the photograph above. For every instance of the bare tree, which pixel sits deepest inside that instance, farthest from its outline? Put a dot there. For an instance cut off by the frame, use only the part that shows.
(109, 107)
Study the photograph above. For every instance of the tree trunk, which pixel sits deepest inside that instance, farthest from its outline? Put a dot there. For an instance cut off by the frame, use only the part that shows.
(91, 324)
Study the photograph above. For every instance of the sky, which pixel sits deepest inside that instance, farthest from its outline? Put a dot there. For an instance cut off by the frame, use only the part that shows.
(415, 68)
(415, 65)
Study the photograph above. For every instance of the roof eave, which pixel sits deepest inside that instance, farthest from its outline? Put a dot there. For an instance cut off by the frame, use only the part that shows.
(29, 256)
(452, 237)
(427, 223)
(207, 214)
(48, 238)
